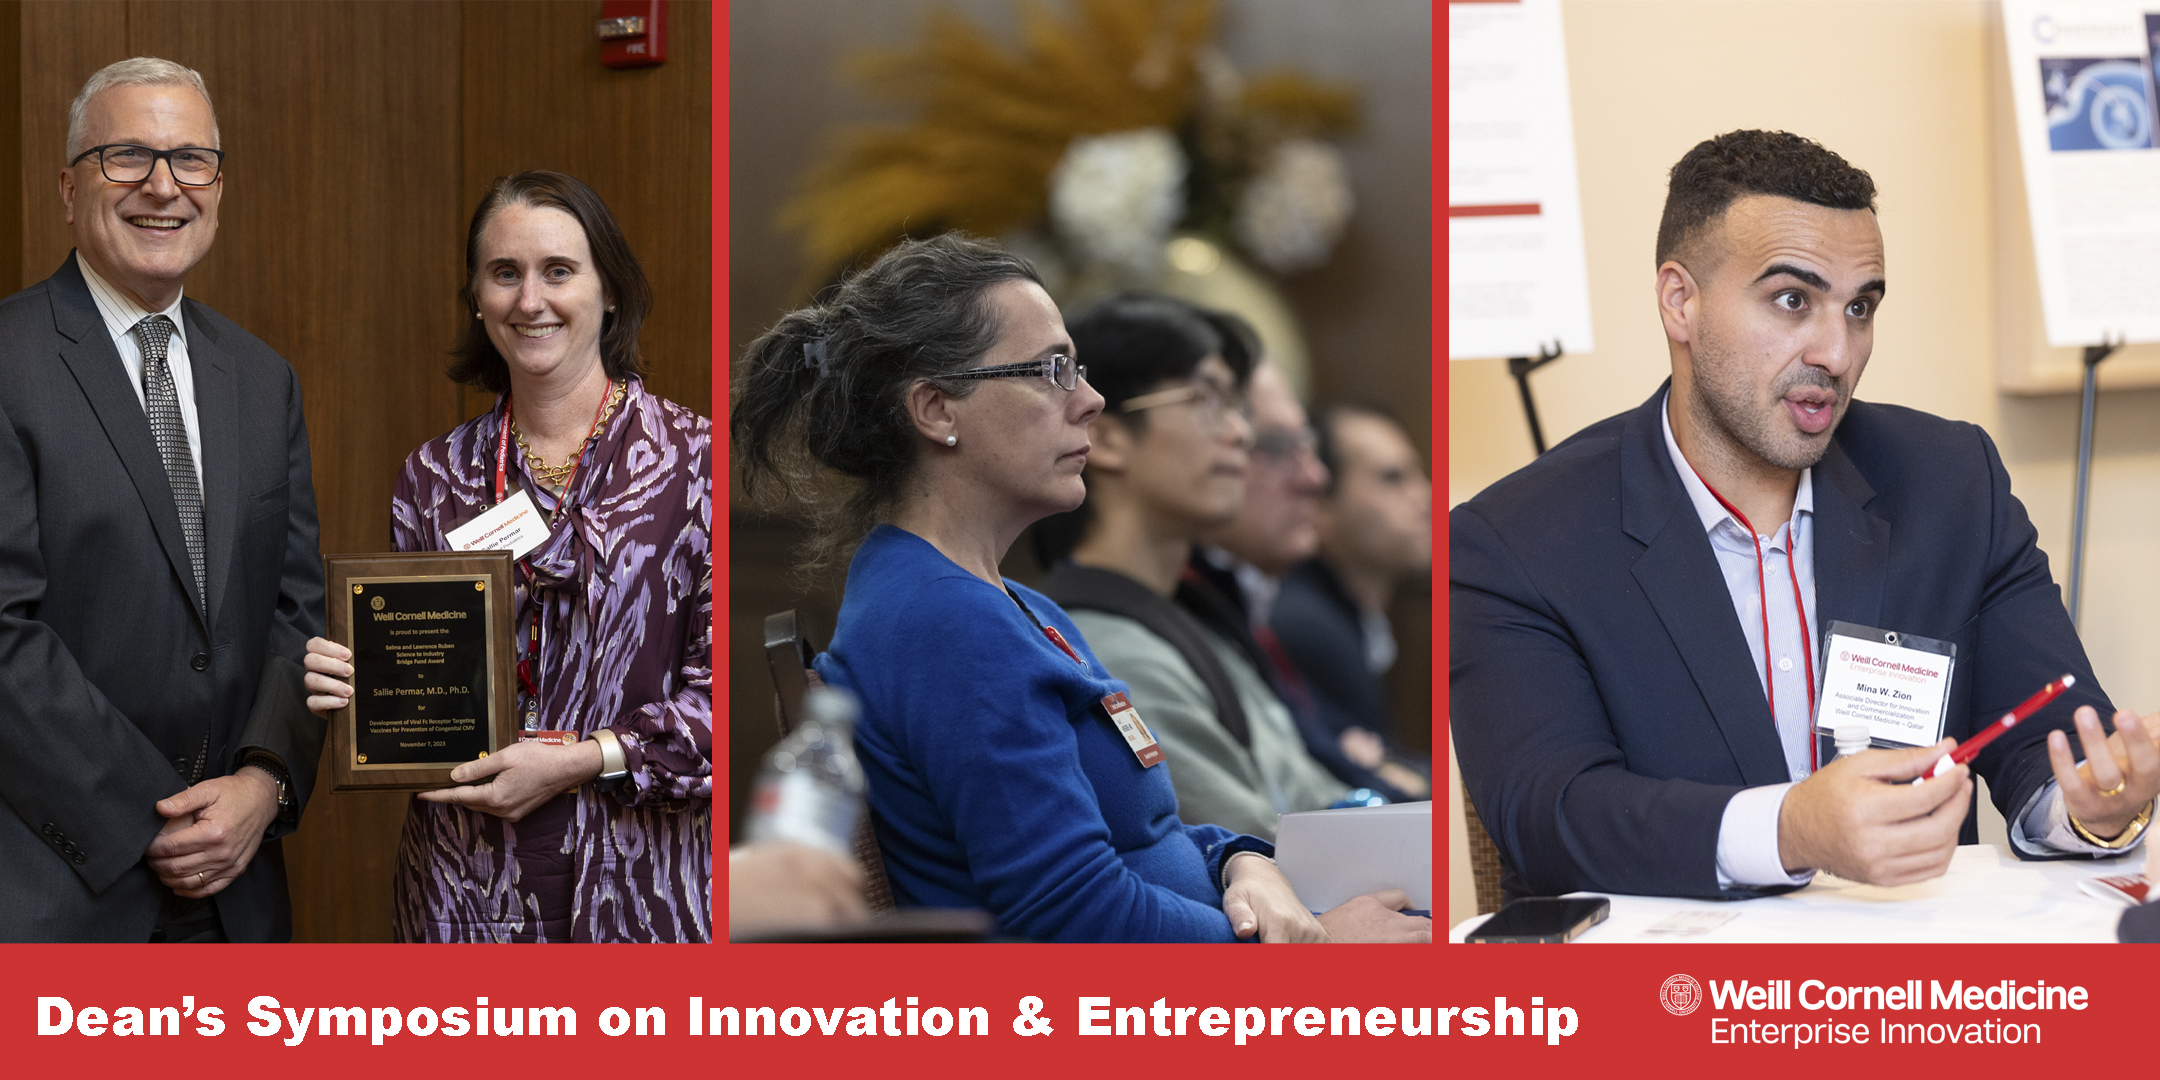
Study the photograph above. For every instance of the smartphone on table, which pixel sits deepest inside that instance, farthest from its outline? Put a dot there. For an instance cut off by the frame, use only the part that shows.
(1543, 919)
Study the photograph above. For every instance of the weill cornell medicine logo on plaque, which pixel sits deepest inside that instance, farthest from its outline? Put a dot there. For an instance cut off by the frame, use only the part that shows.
(1680, 995)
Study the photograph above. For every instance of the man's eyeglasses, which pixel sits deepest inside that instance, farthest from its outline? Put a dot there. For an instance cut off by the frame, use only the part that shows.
(1213, 402)
(1060, 369)
(1285, 446)
(126, 163)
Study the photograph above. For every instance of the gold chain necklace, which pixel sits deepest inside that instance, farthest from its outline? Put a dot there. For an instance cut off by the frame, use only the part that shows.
(554, 476)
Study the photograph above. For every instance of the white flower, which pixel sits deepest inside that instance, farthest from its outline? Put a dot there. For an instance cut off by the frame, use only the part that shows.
(1114, 198)
(1292, 212)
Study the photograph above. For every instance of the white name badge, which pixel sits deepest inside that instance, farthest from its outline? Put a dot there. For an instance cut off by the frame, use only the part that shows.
(1896, 684)
(1133, 728)
(514, 524)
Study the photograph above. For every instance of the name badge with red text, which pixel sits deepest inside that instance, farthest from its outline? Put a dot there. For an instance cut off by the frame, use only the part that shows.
(1896, 684)
(1133, 728)
(549, 738)
(514, 525)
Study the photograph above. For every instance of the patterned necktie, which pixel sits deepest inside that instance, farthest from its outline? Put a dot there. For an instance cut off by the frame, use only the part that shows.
(162, 403)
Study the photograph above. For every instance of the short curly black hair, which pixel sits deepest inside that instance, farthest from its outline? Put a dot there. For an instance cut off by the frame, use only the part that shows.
(1720, 170)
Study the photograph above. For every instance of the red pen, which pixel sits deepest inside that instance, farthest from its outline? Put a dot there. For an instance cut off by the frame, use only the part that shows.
(1970, 748)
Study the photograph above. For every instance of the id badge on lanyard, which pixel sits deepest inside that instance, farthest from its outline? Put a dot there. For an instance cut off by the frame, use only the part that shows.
(1119, 709)
(1135, 730)
(514, 525)
(1897, 684)
(517, 525)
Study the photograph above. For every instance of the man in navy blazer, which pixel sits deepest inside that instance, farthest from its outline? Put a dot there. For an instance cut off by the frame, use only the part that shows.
(159, 577)
(1635, 617)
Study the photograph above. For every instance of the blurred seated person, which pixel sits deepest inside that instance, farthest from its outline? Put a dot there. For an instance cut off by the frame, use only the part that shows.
(1231, 582)
(1375, 529)
(930, 410)
(1168, 465)
(782, 887)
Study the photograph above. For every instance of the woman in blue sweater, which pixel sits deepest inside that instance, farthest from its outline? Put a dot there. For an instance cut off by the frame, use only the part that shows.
(940, 384)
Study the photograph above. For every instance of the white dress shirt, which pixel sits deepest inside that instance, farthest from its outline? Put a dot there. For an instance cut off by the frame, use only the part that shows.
(121, 314)
(1747, 849)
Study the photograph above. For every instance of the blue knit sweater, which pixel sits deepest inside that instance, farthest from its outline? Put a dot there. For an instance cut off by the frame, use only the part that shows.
(996, 778)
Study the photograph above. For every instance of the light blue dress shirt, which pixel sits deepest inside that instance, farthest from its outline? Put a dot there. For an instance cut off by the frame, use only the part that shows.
(1747, 850)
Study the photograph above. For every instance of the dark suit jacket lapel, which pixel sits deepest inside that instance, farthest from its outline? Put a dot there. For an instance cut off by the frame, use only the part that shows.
(1852, 546)
(90, 356)
(217, 409)
(1680, 578)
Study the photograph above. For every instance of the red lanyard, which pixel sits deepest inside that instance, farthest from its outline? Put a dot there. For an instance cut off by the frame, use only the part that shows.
(1058, 640)
(528, 666)
(1762, 600)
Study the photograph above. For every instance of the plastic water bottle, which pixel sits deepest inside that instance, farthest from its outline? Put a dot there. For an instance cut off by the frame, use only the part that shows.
(811, 790)
(1851, 739)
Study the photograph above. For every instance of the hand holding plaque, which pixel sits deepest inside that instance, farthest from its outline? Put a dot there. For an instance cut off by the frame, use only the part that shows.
(429, 635)
(516, 780)
(329, 676)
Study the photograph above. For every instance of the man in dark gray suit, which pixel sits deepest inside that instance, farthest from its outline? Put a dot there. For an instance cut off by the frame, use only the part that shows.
(159, 576)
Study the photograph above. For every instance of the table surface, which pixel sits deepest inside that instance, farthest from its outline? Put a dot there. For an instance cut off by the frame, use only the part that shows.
(1988, 895)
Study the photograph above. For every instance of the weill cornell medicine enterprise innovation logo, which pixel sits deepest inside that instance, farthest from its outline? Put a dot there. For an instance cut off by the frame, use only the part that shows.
(1816, 1012)
(1680, 995)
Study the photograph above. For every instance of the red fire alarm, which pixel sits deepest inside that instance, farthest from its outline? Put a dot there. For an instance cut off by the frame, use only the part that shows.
(633, 33)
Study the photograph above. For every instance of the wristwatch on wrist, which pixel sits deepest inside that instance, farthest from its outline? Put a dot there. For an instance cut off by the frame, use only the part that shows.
(269, 763)
(2127, 837)
(614, 764)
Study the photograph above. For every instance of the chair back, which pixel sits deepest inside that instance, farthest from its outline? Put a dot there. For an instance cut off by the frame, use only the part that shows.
(1485, 869)
(788, 652)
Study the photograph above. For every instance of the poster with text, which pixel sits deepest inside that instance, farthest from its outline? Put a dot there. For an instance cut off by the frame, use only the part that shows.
(2081, 87)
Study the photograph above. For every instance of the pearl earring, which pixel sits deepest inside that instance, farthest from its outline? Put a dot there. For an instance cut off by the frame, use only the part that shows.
(952, 440)
(475, 314)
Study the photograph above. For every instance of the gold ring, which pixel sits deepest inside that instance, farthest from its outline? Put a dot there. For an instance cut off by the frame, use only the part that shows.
(2116, 790)
(200, 878)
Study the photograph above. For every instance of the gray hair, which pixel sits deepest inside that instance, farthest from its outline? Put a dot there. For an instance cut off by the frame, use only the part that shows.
(825, 389)
(138, 71)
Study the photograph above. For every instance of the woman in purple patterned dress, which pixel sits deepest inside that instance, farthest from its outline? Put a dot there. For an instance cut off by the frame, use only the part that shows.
(607, 837)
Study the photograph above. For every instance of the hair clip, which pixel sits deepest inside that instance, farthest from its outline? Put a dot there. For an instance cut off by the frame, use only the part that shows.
(814, 355)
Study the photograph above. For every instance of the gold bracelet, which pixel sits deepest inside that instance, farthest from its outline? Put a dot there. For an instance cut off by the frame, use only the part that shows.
(2128, 836)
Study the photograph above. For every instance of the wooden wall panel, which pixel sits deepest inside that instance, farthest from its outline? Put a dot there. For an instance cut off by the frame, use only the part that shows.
(338, 245)
(11, 148)
(338, 235)
(62, 43)
(536, 97)
(359, 135)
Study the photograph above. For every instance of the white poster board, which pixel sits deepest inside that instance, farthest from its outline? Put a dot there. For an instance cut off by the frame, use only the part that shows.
(2081, 87)
(1517, 278)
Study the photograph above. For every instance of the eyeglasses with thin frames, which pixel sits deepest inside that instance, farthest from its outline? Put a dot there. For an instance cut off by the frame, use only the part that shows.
(127, 163)
(1215, 402)
(1062, 371)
